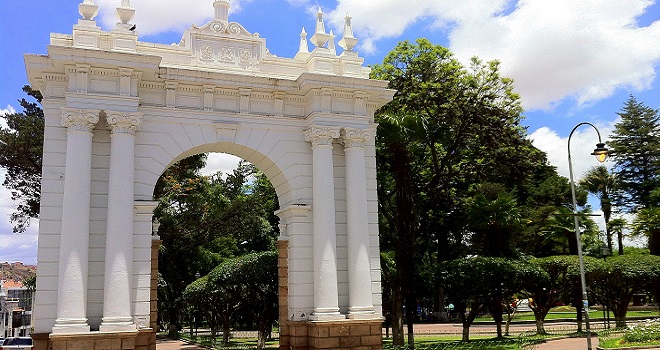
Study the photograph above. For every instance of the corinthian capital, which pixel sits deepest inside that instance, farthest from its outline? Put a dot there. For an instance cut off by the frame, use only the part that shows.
(352, 137)
(79, 119)
(123, 122)
(321, 135)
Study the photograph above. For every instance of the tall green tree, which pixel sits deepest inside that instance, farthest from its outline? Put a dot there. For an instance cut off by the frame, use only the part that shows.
(617, 226)
(21, 153)
(448, 128)
(599, 182)
(635, 148)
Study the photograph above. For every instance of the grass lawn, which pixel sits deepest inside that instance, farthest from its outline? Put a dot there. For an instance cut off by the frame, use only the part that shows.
(454, 343)
(564, 312)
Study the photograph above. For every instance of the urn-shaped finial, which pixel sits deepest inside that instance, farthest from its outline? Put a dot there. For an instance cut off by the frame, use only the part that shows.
(88, 9)
(125, 12)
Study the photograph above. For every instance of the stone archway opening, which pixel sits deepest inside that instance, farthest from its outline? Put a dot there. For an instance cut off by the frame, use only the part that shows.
(214, 210)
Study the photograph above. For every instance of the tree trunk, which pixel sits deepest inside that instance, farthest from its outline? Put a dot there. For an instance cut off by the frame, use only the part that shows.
(509, 318)
(397, 317)
(619, 236)
(497, 315)
(404, 254)
(578, 310)
(226, 330)
(410, 318)
(540, 328)
(466, 333)
(620, 310)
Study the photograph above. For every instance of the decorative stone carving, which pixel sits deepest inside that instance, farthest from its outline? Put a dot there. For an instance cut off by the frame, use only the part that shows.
(227, 54)
(79, 119)
(352, 137)
(206, 52)
(321, 135)
(124, 123)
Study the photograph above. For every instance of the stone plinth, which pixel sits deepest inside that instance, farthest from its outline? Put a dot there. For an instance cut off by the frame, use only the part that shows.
(344, 334)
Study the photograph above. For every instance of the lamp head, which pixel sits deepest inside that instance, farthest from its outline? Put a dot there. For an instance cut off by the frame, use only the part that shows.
(600, 152)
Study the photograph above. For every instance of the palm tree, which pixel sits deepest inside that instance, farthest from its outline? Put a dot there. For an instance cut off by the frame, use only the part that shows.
(617, 226)
(599, 182)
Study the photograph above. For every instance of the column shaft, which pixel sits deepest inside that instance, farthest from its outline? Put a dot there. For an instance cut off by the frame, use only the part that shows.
(74, 237)
(119, 236)
(326, 303)
(359, 267)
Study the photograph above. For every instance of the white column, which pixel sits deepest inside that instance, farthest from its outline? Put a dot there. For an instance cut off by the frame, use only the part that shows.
(119, 235)
(74, 237)
(326, 303)
(360, 302)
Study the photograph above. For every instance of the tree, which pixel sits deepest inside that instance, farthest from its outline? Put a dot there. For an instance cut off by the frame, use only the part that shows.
(448, 128)
(599, 182)
(635, 147)
(616, 226)
(212, 303)
(21, 153)
(494, 217)
(647, 223)
(251, 282)
(616, 280)
(547, 282)
(477, 283)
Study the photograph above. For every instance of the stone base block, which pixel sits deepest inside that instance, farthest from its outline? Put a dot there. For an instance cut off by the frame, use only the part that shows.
(135, 340)
(343, 334)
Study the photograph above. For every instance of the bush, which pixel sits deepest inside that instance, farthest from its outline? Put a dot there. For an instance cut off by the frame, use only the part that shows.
(643, 331)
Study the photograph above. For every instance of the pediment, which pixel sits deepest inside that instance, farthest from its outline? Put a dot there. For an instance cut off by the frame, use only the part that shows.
(225, 44)
(224, 29)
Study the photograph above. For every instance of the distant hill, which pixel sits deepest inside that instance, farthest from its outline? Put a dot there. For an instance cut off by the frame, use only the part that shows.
(16, 272)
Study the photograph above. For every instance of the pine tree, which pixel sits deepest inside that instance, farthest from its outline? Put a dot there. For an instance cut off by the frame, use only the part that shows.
(636, 153)
(21, 148)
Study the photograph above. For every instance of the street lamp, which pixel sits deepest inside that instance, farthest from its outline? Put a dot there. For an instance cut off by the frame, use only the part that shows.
(601, 154)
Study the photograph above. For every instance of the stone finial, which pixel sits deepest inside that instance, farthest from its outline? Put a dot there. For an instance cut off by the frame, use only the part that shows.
(348, 41)
(222, 10)
(320, 37)
(125, 12)
(331, 43)
(88, 9)
(303, 42)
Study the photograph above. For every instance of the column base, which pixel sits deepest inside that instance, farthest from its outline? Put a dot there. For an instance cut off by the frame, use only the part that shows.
(344, 334)
(118, 324)
(326, 316)
(363, 315)
(71, 326)
(94, 340)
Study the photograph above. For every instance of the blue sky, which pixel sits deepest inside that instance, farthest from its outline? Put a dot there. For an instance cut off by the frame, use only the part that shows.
(572, 61)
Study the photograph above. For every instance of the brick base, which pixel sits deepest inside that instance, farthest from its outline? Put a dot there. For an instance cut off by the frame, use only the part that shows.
(137, 340)
(343, 334)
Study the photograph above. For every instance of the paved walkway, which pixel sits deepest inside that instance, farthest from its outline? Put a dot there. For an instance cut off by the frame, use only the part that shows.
(169, 344)
(568, 344)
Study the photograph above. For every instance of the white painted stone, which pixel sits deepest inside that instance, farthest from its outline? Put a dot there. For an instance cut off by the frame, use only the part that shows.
(218, 90)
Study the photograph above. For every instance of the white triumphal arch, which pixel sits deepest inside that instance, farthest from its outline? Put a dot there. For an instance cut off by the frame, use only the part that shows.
(119, 112)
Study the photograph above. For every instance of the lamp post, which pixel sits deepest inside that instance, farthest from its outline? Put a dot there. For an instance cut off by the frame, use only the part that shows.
(601, 154)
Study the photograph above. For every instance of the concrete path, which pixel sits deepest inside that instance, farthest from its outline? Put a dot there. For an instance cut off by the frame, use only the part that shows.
(568, 344)
(163, 343)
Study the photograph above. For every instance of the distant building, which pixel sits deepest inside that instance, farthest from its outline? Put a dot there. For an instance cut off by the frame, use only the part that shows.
(15, 309)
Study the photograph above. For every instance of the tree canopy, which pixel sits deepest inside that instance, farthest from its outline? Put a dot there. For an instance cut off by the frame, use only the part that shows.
(21, 153)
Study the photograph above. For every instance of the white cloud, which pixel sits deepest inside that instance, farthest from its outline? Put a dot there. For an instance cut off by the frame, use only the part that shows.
(583, 142)
(15, 247)
(157, 16)
(552, 49)
(220, 162)
(5, 111)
